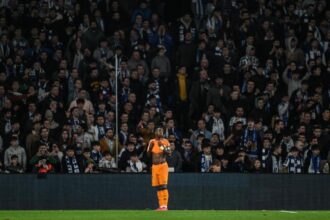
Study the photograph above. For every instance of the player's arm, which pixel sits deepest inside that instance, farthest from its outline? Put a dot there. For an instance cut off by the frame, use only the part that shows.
(149, 149)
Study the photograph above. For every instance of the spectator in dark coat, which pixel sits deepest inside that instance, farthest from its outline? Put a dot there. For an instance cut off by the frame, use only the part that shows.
(174, 159)
(242, 163)
(198, 95)
(188, 155)
(186, 53)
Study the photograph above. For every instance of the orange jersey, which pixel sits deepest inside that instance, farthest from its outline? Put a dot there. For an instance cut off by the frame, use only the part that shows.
(156, 145)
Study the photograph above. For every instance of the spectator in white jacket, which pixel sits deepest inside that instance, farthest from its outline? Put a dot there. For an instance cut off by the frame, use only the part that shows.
(107, 162)
(135, 165)
(293, 81)
(17, 150)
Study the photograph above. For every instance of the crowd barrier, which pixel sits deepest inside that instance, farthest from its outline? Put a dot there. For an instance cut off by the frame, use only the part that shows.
(187, 191)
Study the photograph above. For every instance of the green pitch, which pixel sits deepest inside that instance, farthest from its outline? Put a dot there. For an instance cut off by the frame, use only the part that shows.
(170, 215)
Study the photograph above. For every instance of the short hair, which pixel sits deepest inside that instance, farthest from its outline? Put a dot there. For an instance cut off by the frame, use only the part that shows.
(107, 153)
(14, 157)
(95, 143)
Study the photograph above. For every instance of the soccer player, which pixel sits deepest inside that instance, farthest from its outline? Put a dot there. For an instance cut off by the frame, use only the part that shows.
(158, 148)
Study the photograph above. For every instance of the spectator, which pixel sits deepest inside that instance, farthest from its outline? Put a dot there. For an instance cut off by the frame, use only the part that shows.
(238, 117)
(215, 167)
(134, 165)
(108, 142)
(135, 60)
(182, 87)
(294, 82)
(58, 87)
(162, 62)
(293, 52)
(107, 163)
(294, 162)
(235, 137)
(90, 167)
(188, 155)
(96, 154)
(225, 166)
(216, 125)
(257, 168)
(242, 163)
(92, 36)
(186, 51)
(174, 159)
(205, 158)
(125, 155)
(198, 94)
(57, 155)
(86, 157)
(217, 93)
(265, 152)
(201, 129)
(41, 162)
(70, 162)
(170, 129)
(250, 140)
(284, 109)
(15, 149)
(313, 161)
(249, 61)
(14, 166)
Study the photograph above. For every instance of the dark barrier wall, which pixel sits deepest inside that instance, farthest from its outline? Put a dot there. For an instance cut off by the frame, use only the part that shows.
(187, 191)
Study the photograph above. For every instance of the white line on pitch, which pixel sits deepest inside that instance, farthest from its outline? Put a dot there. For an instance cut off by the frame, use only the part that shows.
(291, 212)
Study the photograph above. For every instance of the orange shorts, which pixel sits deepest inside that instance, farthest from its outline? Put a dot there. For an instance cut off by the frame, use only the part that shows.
(159, 174)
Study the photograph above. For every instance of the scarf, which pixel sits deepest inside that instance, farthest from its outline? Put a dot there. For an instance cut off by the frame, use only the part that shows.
(294, 164)
(218, 127)
(277, 164)
(264, 156)
(72, 164)
(314, 166)
(250, 135)
(200, 8)
(206, 162)
(101, 131)
(136, 167)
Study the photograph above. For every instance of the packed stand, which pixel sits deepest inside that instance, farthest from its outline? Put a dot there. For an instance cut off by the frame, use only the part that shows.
(238, 86)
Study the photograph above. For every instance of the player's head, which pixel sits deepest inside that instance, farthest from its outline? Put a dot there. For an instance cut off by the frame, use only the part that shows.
(159, 132)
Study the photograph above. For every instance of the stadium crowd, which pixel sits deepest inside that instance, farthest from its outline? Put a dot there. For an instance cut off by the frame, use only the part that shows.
(237, 85)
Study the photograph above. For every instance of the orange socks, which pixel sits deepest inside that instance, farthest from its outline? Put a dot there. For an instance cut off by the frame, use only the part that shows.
(159, 196)
(165, 197)
(162, 198)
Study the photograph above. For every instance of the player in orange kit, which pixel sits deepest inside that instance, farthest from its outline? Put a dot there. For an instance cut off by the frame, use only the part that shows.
(158, 148)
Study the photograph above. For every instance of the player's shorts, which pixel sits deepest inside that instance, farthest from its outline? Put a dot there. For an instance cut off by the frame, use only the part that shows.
(159, 174)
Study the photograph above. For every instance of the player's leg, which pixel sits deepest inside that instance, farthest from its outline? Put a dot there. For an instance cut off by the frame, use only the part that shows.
(155, 182)
(162, 188)
(154, 176)
(162, 193)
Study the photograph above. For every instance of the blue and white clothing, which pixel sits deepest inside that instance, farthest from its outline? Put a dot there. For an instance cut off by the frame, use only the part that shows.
(96, 156)
(314, 165)
(206, 162)
(294, 164)
(265, 153)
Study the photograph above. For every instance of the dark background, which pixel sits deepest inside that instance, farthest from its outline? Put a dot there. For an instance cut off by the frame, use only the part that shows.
(187, 191)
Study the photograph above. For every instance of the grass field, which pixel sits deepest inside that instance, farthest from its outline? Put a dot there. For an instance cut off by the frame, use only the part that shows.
(170, 215)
